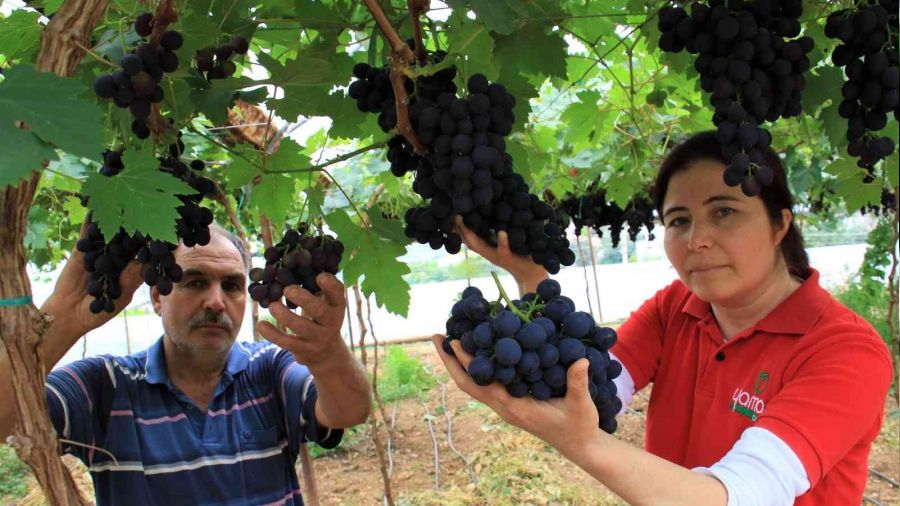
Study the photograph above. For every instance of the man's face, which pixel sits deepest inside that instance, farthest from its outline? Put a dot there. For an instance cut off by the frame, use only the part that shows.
(204, 311)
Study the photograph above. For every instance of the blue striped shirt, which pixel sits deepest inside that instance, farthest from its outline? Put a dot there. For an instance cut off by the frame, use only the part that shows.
(241, 451)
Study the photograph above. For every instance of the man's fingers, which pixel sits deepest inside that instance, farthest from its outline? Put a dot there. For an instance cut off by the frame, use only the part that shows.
(303, 328)
(275, 336)
(333, 290)
(312, 306)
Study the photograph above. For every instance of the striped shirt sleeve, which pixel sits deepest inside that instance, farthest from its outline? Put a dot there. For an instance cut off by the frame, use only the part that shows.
(79, 396)
(297, 393)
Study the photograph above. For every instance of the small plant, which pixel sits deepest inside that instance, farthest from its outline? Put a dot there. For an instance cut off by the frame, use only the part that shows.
(402, 376)
(13, 476)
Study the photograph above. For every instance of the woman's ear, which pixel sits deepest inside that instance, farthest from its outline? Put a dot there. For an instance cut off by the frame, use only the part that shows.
(786, 218)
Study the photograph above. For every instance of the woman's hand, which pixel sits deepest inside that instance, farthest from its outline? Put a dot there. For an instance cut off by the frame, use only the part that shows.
(526, 273)
(561, 422)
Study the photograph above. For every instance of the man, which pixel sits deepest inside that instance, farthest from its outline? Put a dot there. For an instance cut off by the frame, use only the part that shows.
(199, 418)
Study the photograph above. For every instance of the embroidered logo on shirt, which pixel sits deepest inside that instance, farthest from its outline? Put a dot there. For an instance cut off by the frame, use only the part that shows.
(751, 406)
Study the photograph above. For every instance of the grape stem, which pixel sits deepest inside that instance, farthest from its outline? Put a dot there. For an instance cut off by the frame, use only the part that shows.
(512, 307)
(416, 9)
(326, 163)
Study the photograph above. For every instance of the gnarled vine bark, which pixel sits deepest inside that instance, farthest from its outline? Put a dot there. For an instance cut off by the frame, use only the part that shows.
(22, 326)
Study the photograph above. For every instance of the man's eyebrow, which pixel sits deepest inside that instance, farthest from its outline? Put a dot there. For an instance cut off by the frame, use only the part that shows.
(194, 273)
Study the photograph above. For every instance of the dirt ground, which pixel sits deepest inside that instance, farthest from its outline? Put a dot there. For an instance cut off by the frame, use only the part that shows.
(352, 475)
(489, 462)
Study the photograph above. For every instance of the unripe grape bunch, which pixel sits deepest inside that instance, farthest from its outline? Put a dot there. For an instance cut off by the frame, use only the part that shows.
(528, 345)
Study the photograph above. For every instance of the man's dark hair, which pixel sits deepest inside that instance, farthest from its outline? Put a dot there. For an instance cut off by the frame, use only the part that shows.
(776, 196)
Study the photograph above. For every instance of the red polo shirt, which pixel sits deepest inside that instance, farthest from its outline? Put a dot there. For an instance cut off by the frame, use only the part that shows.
(812, 372)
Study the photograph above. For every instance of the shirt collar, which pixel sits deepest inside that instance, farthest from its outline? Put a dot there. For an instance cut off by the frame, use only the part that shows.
(157, 373)
(795, 315)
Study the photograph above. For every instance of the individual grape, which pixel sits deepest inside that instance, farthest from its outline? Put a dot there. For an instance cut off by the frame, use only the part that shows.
(531, 336)
(506, 323)
(481, 370)
(143, 24)
(570, 350)
(548, 289)
(578, 325)
(507, 350)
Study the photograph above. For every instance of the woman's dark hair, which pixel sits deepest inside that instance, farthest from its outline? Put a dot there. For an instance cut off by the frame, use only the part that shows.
(776, 196)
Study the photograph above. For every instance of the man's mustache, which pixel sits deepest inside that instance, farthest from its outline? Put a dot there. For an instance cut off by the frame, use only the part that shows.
(211, 317)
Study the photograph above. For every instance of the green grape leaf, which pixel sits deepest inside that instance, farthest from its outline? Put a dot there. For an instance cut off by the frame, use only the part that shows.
(74, 210)
(21, 153)
(240, 172)
(20, 35)
(545, 54)
(273, 196)
(849, 185)
(369, 256)
(821, 87)
(214, 102)
(52, 109)
(140, 198)
(585, 120)
(497, 15)
(391, 230)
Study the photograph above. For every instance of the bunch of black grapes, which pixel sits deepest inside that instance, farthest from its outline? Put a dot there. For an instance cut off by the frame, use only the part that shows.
(887, 206)
(104, 261)
(136, 86)
(868, 55)
(595, 211)
(466, 170)
(192, 226)
(295, 260)
(216, 62)
(751, 60)
(529, 346)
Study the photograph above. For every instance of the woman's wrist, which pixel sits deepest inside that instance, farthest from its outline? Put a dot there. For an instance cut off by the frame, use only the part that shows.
(528, 281)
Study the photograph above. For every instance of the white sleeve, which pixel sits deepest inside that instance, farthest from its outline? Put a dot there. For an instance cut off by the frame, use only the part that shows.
(760, 470)
(624, 385)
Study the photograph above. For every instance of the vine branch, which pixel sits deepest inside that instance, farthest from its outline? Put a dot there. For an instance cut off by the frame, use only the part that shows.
(401, 59)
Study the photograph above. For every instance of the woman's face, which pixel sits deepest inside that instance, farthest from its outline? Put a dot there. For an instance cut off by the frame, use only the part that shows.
(721, 242)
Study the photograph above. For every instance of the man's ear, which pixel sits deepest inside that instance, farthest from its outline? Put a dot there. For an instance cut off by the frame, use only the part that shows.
(154, 298)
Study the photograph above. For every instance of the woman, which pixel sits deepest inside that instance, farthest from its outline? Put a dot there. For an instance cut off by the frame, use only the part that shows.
(765, 388)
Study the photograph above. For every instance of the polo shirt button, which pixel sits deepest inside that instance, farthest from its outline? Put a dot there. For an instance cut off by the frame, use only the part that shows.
(720, 356)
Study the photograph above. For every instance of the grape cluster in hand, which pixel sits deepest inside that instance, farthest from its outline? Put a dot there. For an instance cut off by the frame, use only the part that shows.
(466, 170)
(868, 55)
(105, 261)
(531, 355)
(216, 62)
(295, 260)
(136, 86)
(751, 61)
(593, 210)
